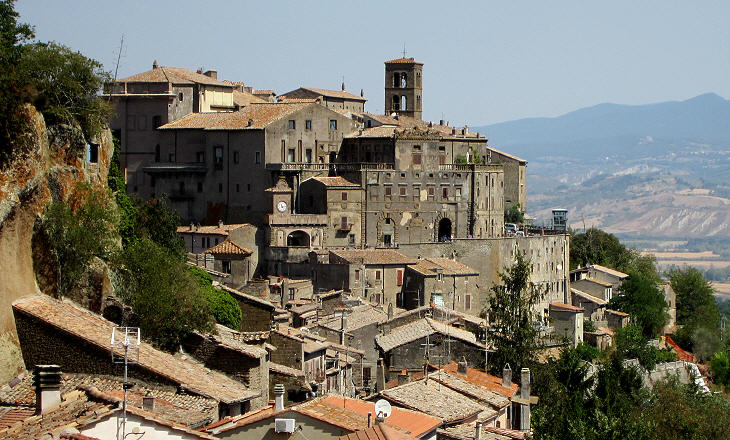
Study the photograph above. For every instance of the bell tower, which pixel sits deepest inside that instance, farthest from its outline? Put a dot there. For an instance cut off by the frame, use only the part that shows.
(403, 90)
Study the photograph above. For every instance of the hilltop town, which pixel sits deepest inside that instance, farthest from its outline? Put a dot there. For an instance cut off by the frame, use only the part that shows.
(219, 261)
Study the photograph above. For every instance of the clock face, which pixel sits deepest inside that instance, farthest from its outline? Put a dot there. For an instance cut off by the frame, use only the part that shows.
(281, 206)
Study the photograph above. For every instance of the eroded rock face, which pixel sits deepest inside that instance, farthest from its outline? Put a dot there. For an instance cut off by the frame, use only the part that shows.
(50, 164)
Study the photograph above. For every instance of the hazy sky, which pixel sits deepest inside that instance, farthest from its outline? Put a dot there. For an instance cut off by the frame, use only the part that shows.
(485, 61)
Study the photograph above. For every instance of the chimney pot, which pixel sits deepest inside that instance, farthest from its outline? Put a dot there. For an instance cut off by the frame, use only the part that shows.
(403, 377)
(506, 376)
(525, 383)
(462, 367)
(380, 380)
(47, 384)
(278, 397)
(155, 65)
(478, 433)
(220, 223)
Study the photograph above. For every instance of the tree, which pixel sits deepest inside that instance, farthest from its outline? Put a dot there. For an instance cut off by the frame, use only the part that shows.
(66, 86)
(513, 317)
(694, 295)
(720, 366)
(640, 297)
(223, 306)
(79, 229)
(599, 247)
(158, 222)
(513, 214)
(13, 84)
(168, 304)
(127, 210)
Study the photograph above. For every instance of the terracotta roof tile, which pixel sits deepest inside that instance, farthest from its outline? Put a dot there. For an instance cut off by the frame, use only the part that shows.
(378, 432)
(433, 399)
(483, 379)
(617, 312)
(594, 281)
(237, 341)
(10, 416)
(588, 297)
(372, 256)
(609, 271)
(357, 317)
(467, 431)
(416, 423)
(334, 181)
(243, 98)
(252, 117)
(403, 61)
(341, 417)
(248, 298)
(429, 267)
(218, 230)
(340, 94)
(228, 247)
(565, 307)
(420, 329)
(479, 393)
(174, 75)
(97, 331)
(511, 156)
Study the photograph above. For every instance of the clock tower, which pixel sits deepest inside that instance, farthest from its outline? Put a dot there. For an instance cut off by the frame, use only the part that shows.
(281, 197)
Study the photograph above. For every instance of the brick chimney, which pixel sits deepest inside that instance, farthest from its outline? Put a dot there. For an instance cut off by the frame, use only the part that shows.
(380, 380)
(403, 377)
(506, 376)
(212, 74)
(278, 397)
(47, 384)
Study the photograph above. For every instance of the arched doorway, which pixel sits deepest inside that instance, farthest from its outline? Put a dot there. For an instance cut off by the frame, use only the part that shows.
(444, 229)
(298, 238)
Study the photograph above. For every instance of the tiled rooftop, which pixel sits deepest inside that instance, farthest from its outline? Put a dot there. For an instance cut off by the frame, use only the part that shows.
(174, 75)
(248, 298)
(228, 247)
(334, 181)
(429, 266)
(252, 117)
(378, 432)
(243, 98)
(460, 384)
(565, 307)
(609, 271)
(416, 423)
(483, 379)
(403, 61)
(467, 431)
(372, 256)
(420, 329)
(593, 281)
(392, 126)
(432, 398)
(340, 94)
(358, 317)
(219, 230)
(91, 328)
(588, 297)
(237, 341)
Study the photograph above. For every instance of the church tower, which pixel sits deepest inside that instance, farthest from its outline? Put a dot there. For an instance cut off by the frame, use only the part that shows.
(403, 90)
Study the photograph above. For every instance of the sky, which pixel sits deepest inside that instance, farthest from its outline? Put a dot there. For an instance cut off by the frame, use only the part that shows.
(484, 61)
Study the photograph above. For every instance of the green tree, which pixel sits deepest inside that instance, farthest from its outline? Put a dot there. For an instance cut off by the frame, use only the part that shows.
(513, 214)
(168, 304)
(223, 306)
(599, 247)
(66, 86)
(158, 222)
(13, 84)
(127, 210)
(79, 229)
(695, 296)
(512, 316)
(640, 297)
(720, 366)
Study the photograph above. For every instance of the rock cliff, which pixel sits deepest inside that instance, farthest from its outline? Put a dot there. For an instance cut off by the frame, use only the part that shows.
(48, 165)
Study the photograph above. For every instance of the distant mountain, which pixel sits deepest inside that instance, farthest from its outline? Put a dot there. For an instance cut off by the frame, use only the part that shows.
(609, 129)
(659, 170)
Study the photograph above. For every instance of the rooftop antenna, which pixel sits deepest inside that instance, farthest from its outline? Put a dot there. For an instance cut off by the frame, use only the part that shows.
(125, 350)
(404, 49)
(116, 69)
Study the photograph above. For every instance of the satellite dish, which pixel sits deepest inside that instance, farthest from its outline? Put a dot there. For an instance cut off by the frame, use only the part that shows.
(382, 407)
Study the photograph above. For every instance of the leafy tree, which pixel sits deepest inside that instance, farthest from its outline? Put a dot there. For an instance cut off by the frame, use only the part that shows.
(720, 366)
(223, 306)
(79, 229)
(599, 247)
(513, 214)
(587, 352)
(127, 209)
(640, 297)
(588, 325)
(168, 304)
(158, 222)
(13, 84)
(66, 86)
(511, 313)
(695, 295)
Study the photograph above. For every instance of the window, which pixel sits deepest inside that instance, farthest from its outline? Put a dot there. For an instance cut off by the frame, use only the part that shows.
(92, 153)
(403, 190)
(157, 153)
(344, 196)
(235, 157)
(220, 187)
(238, 188)
(181, 187)
(308, 124)
(458, 192)
(180, 96)
(357, 273)
(333, 124)
(400, 277)
(430, 191)
(171, 157)
(290, 155)
(440, 276)
(200, 157)
(292, 124)
(351, 239)
(226, 266)
(248, 187)
(343, 223)
(467, 301)
(308, 155)
(200, 187)
(377, 274)
(416, 148)
(416, 159)
(258, 157)
(156, 121)
(445, 193)
(219, 156)
(388, 190)
(291, 294)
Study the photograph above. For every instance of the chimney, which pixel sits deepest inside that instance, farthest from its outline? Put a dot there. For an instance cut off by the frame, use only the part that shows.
(220, 224)
(155, 65)
(342, 329)
(370, 416)
(478, 433)
(506, 376)
(390, 311)
(362, 93)
(343, 86)
(461, 369)
(525, 384)
(212, 74)
(148, 402)
(380, 380)
(441, 122)
(278, 397)
(403, 377)
(47, 384)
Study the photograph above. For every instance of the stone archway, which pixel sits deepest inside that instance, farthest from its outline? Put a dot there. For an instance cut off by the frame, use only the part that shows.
(297, 239)
(445, 229)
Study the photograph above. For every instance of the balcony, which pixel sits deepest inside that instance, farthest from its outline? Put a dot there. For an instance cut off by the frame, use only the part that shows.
(297, 219)
(176, 167)
(468, 167)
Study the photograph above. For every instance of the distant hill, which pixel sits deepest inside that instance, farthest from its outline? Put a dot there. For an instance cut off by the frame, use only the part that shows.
(659, 170)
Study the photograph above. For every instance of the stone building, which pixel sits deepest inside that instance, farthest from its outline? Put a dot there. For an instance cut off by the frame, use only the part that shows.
(234, 260)
(599, 289)
(404, 87)
(515, 176)
(257, 313)
(441, 281)
(332, 99)
(148, 100)
(567, 322)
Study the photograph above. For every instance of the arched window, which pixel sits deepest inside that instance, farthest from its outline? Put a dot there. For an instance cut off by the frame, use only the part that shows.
(157, 153)
(403, 80)
(396, 102)
(396, 79)
(298, 238)
(444, 230)
(403, 103)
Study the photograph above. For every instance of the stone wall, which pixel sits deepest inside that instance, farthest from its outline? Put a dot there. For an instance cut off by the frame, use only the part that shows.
(442, 350)
(254, 318)
(288, 351)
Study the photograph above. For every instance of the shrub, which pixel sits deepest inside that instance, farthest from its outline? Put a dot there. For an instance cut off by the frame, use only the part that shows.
(223, 306)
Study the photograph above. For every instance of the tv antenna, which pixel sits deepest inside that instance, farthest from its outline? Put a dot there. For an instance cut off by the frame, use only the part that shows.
(125, 350)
